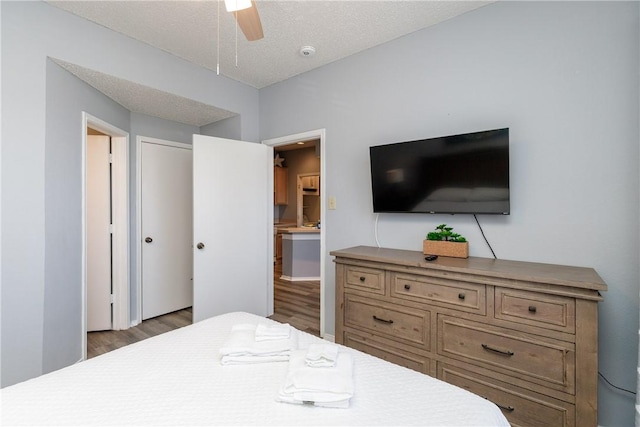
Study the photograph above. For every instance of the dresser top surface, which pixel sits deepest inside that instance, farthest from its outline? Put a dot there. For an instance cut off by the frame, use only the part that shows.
(577, 277)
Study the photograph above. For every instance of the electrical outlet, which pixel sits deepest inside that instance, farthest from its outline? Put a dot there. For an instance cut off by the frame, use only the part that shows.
(332, 202)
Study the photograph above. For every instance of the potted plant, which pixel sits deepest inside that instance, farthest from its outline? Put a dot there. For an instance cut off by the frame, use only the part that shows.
(443, 241)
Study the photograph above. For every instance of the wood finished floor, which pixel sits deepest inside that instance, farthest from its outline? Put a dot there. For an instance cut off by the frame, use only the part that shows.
(104, 341)
(296, 303)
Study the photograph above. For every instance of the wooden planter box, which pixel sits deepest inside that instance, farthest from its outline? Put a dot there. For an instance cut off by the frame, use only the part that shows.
(444, 248)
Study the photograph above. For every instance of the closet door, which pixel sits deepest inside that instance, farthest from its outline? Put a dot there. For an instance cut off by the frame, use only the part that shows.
(167, 228)
(98, 192)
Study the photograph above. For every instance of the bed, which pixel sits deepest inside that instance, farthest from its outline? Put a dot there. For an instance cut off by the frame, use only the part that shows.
(177, 379)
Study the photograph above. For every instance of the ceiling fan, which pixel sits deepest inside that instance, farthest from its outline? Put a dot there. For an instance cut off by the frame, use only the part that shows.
(246, 14)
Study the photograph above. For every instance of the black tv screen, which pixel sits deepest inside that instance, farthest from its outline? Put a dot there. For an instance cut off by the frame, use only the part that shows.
(457, 174)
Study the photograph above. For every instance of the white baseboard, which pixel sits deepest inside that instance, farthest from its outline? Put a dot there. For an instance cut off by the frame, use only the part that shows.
(299, 279)
(329, 337)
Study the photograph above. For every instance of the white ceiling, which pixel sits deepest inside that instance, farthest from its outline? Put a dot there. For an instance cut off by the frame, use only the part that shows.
(189, 29)
(146, 100)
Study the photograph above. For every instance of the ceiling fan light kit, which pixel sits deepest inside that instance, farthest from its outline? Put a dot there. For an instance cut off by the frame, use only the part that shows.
(235, 5)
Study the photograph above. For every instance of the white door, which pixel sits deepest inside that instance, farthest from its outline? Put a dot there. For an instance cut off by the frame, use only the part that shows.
(167, 228)
(98, 223)
(233, 208)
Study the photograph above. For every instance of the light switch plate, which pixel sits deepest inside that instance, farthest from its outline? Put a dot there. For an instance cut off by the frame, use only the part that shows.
(332, 202)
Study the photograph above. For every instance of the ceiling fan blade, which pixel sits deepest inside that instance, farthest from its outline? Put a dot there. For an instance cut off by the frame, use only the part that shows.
(249, 22)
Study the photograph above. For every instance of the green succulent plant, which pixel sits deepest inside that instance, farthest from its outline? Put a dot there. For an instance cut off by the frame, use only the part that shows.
(445, 233)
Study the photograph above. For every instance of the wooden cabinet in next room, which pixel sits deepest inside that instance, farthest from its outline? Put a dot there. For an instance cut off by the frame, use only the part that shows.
(280, 186)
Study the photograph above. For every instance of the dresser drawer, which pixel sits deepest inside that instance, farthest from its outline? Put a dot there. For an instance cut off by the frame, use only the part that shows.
(467, 296)
(388, 353)
(518, 406)
(536, 309)
(522, 334)
(396, 322)
(547, 362)
(365, 279)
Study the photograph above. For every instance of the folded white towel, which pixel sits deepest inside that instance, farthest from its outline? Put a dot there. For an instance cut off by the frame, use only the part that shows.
(324, 386)
(241, 347)
(247, 359)
(321, 355)
(272, 332)
(282, 397)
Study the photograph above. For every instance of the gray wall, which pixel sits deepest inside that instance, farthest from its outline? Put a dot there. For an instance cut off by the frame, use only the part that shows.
(66, 97)
(36, 334)
(228, 128)
(564, 77)
(154, 127)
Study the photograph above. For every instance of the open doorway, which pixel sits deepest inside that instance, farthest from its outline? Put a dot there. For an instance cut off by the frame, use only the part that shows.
(298, 286)
(116, 223)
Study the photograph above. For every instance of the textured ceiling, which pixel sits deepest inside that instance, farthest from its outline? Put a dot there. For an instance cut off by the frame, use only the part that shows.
(149, 101)
(189, 30)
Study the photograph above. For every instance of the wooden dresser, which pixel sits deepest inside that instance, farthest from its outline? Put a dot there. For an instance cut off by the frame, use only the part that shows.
(523, 335)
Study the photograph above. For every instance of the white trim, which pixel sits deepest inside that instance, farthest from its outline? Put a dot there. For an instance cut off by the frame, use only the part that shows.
(308, 136)
(329, 337)
(139, 141)
(299, 279)
(304, 235)
(83, 207)
(157, 141)
(121, 232)
(270, 236)
(120, 211)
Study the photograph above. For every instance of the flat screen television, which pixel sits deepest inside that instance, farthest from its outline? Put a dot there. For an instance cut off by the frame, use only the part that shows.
(457, 174)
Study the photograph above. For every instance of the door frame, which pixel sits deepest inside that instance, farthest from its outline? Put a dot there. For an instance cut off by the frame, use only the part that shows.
(139, 141)
(317, 134)
(120, 222)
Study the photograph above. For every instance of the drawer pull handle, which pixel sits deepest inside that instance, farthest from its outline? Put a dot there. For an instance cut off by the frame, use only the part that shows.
(532, 308)
(382, 320)
(506, 408)
(362, 278)
(461, 296)
(407, 286)
(495, 350)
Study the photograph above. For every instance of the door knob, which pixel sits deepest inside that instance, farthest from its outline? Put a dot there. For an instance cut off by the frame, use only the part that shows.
(200, 245)
(148, 239)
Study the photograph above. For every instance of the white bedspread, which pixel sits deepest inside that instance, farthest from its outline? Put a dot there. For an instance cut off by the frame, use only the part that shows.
(177, 379)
